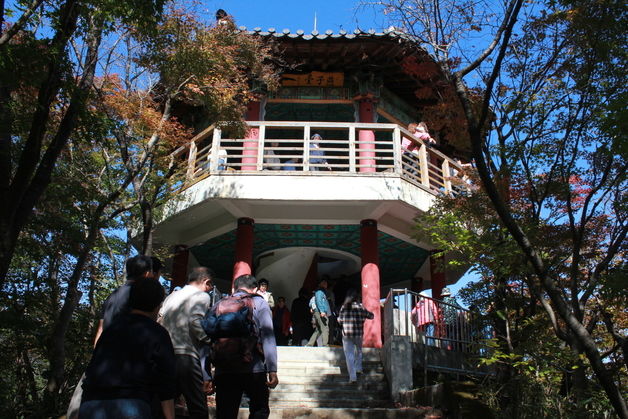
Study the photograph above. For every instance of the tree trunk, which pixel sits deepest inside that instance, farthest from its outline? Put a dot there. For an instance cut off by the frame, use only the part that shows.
(56, 347)
(580, 334)
(32, 176)
(147, 225)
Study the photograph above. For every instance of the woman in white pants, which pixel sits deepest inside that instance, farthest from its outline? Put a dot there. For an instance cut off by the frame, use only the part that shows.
(351, 318)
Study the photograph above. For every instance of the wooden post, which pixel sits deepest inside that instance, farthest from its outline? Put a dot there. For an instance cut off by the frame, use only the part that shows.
(260, 148)
(446, 176)
(213, 165)
(306, 148)
(425, 173)
(352, 149)
(397, 150)
(189, 175)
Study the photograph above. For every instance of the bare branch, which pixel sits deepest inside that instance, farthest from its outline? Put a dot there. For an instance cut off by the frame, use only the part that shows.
(20, 23)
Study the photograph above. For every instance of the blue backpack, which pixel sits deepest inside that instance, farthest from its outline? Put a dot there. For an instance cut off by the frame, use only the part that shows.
(233, 332)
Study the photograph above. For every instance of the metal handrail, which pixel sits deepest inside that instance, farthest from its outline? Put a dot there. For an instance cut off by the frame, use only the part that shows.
(433, 322)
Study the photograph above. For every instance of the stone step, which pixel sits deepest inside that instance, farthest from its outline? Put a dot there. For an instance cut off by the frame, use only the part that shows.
(340, 361)
(314, 402)
(353, 390)
(333, 381)
(338, 404)
(313, 378)
(324, 370)
(301, 353)
(335, 413)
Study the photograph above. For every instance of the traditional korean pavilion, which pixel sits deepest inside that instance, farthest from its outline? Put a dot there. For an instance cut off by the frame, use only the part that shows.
(291, 207)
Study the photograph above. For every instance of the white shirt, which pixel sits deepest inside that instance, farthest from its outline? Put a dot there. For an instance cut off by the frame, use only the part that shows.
(181, 315)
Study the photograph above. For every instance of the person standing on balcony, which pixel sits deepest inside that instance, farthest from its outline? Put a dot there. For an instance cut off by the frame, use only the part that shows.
(410, 150)
(271, 160)
(317, 156)
(222, 159)
(322, 313)
(407, 144)
(351, 318)
(291, 165)
(421, 132)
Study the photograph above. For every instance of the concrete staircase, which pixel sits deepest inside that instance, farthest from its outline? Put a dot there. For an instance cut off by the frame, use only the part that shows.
(317, 377)
(314, 383)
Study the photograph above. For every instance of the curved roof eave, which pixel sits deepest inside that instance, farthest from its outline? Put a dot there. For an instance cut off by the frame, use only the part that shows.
(380, 52)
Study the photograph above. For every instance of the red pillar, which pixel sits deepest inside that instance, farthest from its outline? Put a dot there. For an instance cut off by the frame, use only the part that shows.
(367, 114)
(438, 276)
(416, 284)
(251, 139)
(179, 266)
(311, 279)
(370, 283)
(244, 248)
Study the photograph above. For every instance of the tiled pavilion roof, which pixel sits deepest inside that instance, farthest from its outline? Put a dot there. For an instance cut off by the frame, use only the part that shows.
(380, 53)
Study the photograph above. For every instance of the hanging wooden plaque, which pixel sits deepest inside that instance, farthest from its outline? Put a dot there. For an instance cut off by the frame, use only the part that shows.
(315, 78)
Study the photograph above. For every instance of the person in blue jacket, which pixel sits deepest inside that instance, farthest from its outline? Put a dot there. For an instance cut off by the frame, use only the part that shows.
(322, 314)
(317, 156)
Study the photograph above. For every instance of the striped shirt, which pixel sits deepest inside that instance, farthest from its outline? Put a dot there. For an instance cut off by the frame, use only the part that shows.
(352, 320)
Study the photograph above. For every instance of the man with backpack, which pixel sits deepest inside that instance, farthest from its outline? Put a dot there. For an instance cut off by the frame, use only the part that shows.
(181, 315)
(244, 352)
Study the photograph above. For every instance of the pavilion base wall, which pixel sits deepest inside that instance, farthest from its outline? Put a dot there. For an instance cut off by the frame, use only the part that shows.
(397, 359)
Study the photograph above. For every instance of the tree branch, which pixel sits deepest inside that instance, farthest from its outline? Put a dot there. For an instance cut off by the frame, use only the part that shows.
(19, 24)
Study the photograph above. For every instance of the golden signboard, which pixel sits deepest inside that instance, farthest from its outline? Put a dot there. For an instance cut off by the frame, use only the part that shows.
(315, 78)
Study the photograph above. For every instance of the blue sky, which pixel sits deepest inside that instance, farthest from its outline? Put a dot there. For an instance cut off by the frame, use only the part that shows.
(294, 15)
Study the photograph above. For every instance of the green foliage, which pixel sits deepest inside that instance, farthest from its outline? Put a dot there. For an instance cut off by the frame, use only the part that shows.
(209, 66)
(116, 168)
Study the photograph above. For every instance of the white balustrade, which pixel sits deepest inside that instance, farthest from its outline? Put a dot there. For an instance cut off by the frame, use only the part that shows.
(285, 148)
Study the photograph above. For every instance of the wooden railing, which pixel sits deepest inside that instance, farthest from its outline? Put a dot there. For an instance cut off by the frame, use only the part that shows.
(285, 148)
